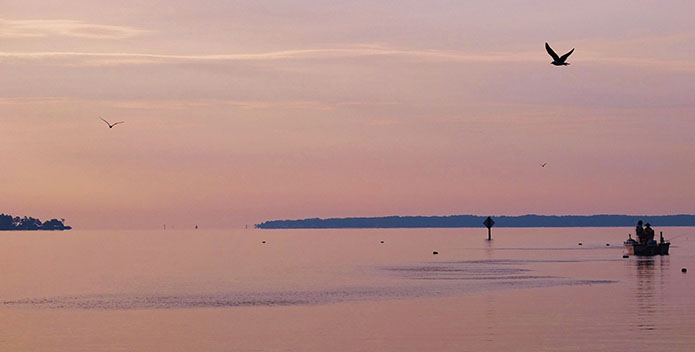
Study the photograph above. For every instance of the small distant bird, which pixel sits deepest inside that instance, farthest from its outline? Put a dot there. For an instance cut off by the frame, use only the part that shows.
(557, 60)
(110, 124)
(544, 164)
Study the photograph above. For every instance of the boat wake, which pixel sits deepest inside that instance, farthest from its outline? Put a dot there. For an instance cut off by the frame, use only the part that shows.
(427, 280)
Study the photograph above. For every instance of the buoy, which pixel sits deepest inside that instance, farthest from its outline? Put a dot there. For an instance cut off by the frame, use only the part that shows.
(684, 270)
(608, 244)
(263, 242)
(435, 252)
(626, 256)
(580, 243)
(382, 241)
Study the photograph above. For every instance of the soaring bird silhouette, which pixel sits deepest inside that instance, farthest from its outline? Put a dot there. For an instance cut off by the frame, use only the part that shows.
(558, 60)
(110, 124)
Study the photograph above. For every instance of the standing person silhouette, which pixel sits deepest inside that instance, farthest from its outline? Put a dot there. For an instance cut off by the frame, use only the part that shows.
(639, 231)
(648, 233)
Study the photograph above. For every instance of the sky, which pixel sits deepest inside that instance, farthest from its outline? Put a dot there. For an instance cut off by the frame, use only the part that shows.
(238, 112)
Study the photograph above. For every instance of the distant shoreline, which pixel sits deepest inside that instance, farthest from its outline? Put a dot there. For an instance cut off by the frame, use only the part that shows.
(456, 221)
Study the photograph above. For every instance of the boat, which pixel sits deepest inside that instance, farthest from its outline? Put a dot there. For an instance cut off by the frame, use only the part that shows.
(651, 248)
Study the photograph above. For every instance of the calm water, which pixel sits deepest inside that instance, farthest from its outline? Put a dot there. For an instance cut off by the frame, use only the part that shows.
(344, 290)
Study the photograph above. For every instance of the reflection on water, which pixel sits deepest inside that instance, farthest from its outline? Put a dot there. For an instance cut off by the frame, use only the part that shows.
(649, 284)
(491, 333)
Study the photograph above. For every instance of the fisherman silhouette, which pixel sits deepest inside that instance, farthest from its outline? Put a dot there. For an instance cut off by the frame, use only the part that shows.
(639, 232)
(648, 233)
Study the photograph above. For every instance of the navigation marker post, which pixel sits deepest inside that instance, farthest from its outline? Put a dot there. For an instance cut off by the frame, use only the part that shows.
(488, 223)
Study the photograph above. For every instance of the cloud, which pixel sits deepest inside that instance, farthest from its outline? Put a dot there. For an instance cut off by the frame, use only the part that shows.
(587, 57)
(359, 51)
(179, 104)
(32, 100)
(67, 28)
(183, 104)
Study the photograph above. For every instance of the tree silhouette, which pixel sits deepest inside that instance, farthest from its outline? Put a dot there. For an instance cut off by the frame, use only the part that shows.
(9, 223)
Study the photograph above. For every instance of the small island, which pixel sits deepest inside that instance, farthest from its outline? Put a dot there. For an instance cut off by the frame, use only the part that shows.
(453, 221)
(15, 223)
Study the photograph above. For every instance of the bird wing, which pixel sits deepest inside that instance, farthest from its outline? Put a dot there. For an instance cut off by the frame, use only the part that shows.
(102, 119)
(564, 57)
(116, 123)
(551, 52)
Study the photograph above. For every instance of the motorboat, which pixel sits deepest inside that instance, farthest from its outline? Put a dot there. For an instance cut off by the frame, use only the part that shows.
(647, 249)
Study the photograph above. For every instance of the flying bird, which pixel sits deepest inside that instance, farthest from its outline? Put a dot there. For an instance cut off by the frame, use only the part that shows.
(558, 60)
(110, 124)
(544, 164)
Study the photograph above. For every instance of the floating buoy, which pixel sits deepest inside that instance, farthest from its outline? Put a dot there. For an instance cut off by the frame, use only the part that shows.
(626, 256)
(608, 244)
(263, 242)
(382, 241)
(579, 243)
(435, 252)
(684, 270)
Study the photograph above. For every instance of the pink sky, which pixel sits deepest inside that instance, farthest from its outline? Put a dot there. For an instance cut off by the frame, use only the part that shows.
(239, 112)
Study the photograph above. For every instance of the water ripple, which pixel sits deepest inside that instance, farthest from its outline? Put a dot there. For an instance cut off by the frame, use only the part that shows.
(415, 281)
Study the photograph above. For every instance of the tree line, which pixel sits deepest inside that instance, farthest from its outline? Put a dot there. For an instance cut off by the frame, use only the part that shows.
(477, 221)
(9, 223)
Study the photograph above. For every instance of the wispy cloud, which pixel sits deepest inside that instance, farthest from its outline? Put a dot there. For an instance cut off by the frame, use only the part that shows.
(95, 58)
(668, 43)
(32, 100)
(73, 58)
(67, 28)
(185, 104)
(240, 104)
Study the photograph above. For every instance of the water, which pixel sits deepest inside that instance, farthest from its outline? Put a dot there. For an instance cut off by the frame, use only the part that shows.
(344, 290)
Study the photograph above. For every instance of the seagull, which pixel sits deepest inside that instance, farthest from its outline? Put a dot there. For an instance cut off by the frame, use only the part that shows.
(544, 164)
(558, 61)
(111, 125)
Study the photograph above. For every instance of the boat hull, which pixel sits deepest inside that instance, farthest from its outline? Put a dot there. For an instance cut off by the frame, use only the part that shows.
(651, 249)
